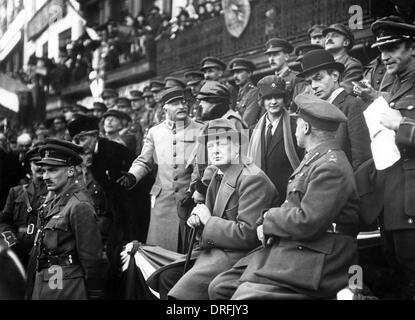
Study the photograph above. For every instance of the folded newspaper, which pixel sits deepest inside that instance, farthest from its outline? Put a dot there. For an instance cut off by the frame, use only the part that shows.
(384, 150)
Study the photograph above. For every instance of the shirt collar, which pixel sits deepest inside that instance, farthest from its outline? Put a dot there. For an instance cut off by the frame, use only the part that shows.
(282, 71)
(335, 94)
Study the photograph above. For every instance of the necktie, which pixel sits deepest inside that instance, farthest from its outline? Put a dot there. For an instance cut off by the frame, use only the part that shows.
(268, 136)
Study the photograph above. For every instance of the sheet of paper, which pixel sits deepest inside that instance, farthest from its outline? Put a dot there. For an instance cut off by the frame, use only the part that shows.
(384, 150)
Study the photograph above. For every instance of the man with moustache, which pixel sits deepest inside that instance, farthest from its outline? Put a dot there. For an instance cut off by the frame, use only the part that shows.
(168, 146)
(339, 41)
(68, 237)
(247, 102)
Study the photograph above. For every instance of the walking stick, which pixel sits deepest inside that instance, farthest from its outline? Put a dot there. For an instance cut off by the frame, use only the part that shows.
(189, 253)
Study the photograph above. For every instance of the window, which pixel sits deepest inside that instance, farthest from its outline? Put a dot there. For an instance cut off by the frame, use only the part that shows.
(65, 37)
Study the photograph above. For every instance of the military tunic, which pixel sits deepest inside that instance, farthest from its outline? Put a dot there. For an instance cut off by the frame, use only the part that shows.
(169, 148)
(70, 241)
(310, 239)
(248, 104)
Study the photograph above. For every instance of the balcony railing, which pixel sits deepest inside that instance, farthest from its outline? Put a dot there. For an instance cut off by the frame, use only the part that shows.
(290, 19)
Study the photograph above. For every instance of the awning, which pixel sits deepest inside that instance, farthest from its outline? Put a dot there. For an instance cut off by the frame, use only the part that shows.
(9, 88)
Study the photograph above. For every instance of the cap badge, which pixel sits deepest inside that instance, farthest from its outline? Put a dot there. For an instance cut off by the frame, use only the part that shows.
(273, 85)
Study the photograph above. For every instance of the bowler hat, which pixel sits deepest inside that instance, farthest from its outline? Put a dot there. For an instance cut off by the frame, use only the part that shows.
(319, 113)
(342, 29)
(316, 60)
(301, 50)
(277, 45)
(392, 29)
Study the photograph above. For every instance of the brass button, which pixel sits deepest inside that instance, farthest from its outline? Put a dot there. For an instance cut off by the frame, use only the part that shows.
(175, 166)
(300, 248)
(176, 178)
(410, 221)
(410, 107)
(377, 81)
(286, 201)
(392, 104)
(174, 142)
(174, 154)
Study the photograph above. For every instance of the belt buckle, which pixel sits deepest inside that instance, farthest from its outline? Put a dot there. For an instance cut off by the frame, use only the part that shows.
(30, 229)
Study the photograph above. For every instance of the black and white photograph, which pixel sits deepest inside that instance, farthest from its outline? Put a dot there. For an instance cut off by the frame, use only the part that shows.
(196, 156)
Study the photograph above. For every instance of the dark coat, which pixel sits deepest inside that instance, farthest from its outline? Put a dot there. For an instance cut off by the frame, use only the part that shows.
(302, 255)
(374, 72)
(353, 135)
(248, 104)
(20, 211)
(353, 71)
(129, 209)
(9, 174)
(231, 231)
(70, 228)
(399, 183)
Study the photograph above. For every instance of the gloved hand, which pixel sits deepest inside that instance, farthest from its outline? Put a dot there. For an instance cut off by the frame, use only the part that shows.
(127, 180)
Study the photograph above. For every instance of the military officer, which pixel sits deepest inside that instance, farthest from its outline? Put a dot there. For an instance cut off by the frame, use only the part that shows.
(19, 216)
(168, 145)
(156, 86)
(339, 42)
(309, 243)
(194, 84)
(214, 69)
(109, 96)
(278, 52)
(316, 34)
(171, 82)
(150, 104)
(396, 42)
(68, 243)
(248, 101)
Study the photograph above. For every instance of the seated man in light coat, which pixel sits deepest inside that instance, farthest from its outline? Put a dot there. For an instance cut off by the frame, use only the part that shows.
(309, 242)
(236, 196)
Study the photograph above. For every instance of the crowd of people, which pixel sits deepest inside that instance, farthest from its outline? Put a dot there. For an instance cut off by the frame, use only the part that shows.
(275, 180)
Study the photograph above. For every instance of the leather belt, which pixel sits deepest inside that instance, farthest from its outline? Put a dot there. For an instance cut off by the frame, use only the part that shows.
(45, 262)
(343, 230)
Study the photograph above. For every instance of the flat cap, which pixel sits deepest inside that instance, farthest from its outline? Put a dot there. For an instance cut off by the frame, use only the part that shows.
(301, 50)
(392, 29)
(214, 91)
(83, 124)
(194, 77)
(317, 60)
(136, 95)
(171, 82)
(342, 29)
(212, 62)
(277, 45)
(272, 86)
(316, 30)
(58, 152)
(108, 93)
(156, 86)
(319, 113)
(170, 94)
(241, 64)
(99, 106)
